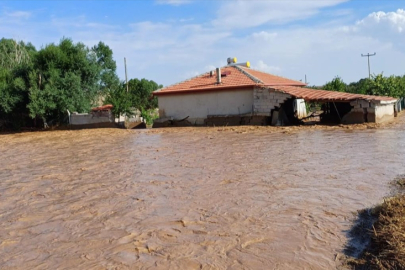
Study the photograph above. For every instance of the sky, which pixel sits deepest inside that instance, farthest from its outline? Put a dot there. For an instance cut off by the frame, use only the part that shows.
(169, 41)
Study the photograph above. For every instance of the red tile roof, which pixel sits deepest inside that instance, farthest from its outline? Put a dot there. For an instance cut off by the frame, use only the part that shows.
(269, 79)
(235, 77)
(103, 108)
(323, 95)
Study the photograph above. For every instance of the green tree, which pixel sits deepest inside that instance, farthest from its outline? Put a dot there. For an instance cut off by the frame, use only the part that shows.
(363, 86)
(141, 93)
(107, 67)
(392, 86)
(15, 64)
(13, 53)
(11, 91)
(70, 77)
(121, 101)
(336, 84)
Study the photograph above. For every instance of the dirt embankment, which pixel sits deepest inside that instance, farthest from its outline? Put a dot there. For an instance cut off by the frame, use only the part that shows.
(386, 249)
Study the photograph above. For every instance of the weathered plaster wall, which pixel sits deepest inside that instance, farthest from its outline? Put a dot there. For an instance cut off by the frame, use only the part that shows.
(364, 111)
(266, 100)
(384, 113)
(198, 106)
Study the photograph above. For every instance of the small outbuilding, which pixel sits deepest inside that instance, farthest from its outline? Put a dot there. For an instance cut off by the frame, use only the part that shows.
(238, 95)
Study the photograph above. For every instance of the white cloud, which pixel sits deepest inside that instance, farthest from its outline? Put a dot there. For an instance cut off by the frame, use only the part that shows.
(261, 65)
(173, 51)
(265, 36)
(393, 21)
(19, 14)
(245, 14)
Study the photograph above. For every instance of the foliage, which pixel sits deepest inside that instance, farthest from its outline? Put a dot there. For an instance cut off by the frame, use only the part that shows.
(15, 62)
(363, 87)
(65, 76)
(388, 86)
(336, 84)
(121, 100)
(141, 93)
(380, 85)
(11, 91)
(69, 76)
(44, 84)
(13, 53)
(149, 115)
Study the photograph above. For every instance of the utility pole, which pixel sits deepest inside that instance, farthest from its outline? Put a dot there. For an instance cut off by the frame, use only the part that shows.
(126, 77)
(368, 56)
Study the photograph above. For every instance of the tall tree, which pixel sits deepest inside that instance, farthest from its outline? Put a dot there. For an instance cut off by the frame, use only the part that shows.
(141, 93)
(69, 76)
(13, 53)
(336, 84)
(121, 101)
(16, 59)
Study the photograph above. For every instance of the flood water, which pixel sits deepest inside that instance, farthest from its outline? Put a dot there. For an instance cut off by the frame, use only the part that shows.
(190, 198)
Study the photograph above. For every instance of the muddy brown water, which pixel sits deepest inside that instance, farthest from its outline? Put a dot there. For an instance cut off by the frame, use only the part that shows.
(190, 198)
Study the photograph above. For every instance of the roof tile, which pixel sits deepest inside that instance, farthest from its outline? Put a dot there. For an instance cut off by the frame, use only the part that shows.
(235, 77)
(324, 95)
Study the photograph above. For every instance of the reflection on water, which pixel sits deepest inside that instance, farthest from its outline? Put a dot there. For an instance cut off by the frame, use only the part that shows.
(193, 198)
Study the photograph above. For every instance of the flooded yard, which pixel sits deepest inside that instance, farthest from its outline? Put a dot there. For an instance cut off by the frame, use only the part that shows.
(190, 198)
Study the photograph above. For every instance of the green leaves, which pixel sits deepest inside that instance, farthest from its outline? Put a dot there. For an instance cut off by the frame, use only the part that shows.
(336, 84)
(121, 100)
(141, 93)
(13, 53)
(65, 76)
(393, 86)
(73, 75)
(10, 91)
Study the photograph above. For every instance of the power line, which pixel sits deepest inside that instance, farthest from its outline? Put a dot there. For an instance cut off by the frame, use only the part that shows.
(368, 58)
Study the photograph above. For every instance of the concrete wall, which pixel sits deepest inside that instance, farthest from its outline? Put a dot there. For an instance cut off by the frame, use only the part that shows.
(384, 113)
(265, 100)
(198, 106)
(91, 118)
(365, 111)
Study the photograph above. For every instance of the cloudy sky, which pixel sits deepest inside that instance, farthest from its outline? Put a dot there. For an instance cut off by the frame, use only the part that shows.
(171, 40)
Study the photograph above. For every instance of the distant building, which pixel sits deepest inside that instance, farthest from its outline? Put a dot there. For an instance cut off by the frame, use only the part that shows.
(101, 116)
(240, 95)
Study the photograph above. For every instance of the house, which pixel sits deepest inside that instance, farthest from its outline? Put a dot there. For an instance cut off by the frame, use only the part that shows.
(101, 116)
(236, 94)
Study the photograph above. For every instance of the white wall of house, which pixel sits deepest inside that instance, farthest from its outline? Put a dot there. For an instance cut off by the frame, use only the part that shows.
(197, 106)
(384, 112)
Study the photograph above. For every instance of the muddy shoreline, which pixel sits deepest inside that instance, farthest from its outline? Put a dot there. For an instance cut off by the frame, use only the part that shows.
(191, 198)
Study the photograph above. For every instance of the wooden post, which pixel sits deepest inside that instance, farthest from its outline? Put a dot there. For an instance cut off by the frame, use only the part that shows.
(126, 77)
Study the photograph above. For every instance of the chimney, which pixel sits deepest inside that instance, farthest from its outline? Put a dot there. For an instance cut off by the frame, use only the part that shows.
(218, 76)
